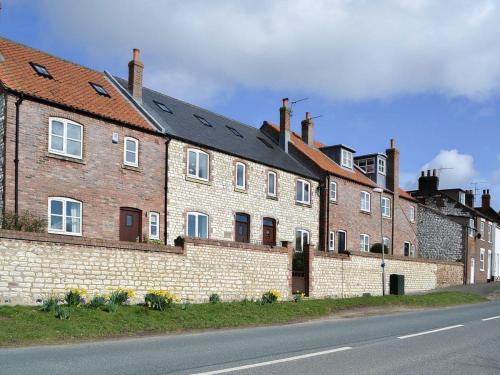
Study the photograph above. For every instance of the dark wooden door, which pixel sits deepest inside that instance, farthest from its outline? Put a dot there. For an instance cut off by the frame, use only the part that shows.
(242, 228)
(130, 224)
(269, 231)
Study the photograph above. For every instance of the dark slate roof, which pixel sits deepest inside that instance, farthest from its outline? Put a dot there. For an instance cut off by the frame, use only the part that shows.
(250, 144)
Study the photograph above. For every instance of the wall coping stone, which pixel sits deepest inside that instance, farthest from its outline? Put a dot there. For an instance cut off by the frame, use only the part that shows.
(403, 258)
(237, 245)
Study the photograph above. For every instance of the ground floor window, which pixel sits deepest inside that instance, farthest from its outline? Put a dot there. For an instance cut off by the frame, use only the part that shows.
(407, 249)
(154, 225)
(301, 239)
(364, 242)
(65, 216)
(342, 241)
(242, 227)
(331, 241)
(481, 260)
(197, 225)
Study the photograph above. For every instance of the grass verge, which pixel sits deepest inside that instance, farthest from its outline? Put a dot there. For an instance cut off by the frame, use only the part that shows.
(27, 325)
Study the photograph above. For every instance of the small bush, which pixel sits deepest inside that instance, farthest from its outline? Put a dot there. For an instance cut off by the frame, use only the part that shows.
(120, 296)
(298, 297)
(111, 307)
(75, 297)
(50, 303)
(97, 301)
(214, 298)
(377, 248)
(270, 296)
(26, 222)
(62, 312)
(159, 299)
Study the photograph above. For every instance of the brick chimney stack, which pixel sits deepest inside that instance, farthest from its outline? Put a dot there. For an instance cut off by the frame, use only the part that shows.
(135, 71)
(307, 129)
(469, 198)
(486, 199)
(392, 172)
(428, 185)
(285, 125)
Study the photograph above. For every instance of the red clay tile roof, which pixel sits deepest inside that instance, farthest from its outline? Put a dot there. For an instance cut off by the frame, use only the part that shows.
(327, 164)
(69, 87)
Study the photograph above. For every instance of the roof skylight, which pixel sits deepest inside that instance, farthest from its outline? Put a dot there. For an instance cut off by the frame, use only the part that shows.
(163, 107)
(204, 121)
(41, 70)
(99, 89)
(234, 131)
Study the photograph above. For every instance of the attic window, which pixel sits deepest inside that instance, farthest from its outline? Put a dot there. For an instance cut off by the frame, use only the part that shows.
(163, 107)
(204, 121)
(234, 131)
(268, 145)
(41, 70)
(99, 89)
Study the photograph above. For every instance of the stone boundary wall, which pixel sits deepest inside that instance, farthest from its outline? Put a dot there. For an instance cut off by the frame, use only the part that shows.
(334, 275)
(36, 265)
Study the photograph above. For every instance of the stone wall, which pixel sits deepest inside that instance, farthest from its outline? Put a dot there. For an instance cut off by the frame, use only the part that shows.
(2, 147)
(340, 276)
(33, 266)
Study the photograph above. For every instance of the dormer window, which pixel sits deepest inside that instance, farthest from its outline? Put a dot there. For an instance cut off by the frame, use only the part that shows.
(367, 165)
(381, 166)
(99, 89)
(41, 70)
(461, 197)
(346, 159)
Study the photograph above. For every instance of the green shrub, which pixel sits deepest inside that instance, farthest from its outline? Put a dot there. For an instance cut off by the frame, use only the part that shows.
(159, 299)
(26, 222)
(62, 312)
(97, 301)
(377, 248)
(214, 298)
(111, 307)
(50, 303)
(270, 296)
(75, 297)
(298, 297)
(120, 296)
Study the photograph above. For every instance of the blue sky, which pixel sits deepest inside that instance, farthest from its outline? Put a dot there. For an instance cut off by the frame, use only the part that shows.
(373, 70)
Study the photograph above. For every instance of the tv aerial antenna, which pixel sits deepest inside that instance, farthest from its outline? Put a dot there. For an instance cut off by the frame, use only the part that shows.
(476, 188)
(294, 102)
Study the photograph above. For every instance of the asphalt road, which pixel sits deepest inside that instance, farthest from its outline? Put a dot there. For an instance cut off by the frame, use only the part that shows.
(456, 340)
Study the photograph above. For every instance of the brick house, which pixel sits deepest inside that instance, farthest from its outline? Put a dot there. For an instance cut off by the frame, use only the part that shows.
(73, 150)
(463, 233)
(350, 211)
(226, 180)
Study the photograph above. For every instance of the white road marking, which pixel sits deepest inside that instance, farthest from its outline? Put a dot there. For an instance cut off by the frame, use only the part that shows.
(493, 317)
(269, 363)
(431, 331)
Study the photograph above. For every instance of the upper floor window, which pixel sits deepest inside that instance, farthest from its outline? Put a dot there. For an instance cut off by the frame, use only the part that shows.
(368, 165)
(461, 197)
(131, 152)
(412, 214)
(197, 225)
(333, 191)
(490, 232)
(198, 164)
(271, 184)
(303, 192)
(301, 239)
(65, 216)
(386, 207)
(381, 166)
(346, 158)
(240, 176)
(481, 229)
(387, 245)
(407, 249)
(365, 201)
(65, 138)
(472, 226)
(364, 242)
(154, 225)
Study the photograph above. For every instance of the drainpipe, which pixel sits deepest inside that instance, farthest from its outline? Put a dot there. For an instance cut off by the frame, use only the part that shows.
(328, 216)
(16, 161)
(167, 143)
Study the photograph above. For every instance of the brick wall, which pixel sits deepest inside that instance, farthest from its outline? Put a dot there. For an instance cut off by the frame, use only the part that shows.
(100, 180)
(219, 199)
(33, 266)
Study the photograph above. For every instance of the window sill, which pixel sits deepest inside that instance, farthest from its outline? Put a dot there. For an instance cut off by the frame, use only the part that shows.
(333, 201)
(198, 181)
(131, 168)
(65, 233)
(387, 217)
(309, 205)
(66, 158)
(241, 190)
(272, 197)
(365, 212)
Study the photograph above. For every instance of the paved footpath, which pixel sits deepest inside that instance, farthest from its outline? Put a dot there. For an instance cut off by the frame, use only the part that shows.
(460, 340)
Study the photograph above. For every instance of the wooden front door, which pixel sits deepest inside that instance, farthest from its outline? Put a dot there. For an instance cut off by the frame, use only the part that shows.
(242, 228)
(269, 231)
(130, 224)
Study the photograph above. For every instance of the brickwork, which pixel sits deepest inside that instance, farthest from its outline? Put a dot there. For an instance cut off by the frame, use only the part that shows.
(219, 199)
(32, 268)
(100, 180)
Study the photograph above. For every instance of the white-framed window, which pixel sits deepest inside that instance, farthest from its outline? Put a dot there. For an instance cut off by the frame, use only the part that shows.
(365, 201)
(490, 232)
(481, 229)
(303, 189)
(342, 241)
(333, 191)
(386, 207)
(461, 197)
(240, 176)
(271, 183)
(481, 260)
(197, 225)
(198, 164)
(65, 137)
(472, 226)
(381, 166)
(407, 249)
(131, 151)
(65, 216)
(301, 239)
(331, 241)
(364, 242)
(154, 225)
(412, 214)
(367, 165)
(387, 245)
(346, 158)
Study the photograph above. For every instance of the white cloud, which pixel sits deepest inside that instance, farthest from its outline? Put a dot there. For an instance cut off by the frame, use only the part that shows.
(455, 170)
(338, 49)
